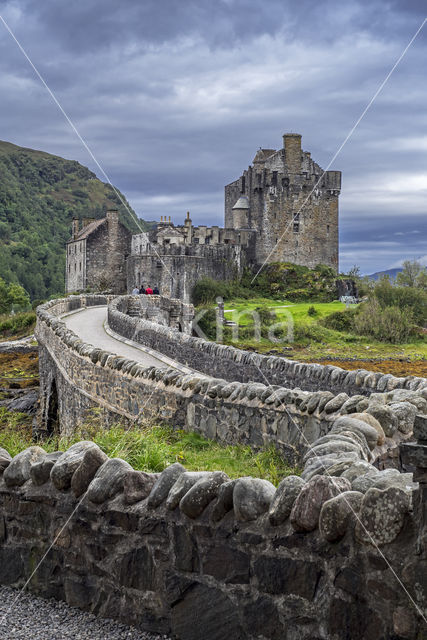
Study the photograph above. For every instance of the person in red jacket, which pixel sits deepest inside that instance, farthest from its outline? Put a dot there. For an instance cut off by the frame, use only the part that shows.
(148, 291)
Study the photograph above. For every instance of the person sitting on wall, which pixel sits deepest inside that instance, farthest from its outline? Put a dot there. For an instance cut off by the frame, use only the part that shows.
(149, 291)
(156, 291)
(141, 290)
(135, 291)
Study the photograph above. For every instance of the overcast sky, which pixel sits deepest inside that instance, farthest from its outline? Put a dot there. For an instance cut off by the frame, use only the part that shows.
(175, 97)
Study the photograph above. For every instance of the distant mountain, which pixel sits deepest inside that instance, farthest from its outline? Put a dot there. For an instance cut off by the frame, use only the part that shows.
(39, 195)
(391, 273)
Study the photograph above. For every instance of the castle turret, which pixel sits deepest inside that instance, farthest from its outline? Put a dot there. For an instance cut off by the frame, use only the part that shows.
(240, 213)
(188, 225)
(292, 147)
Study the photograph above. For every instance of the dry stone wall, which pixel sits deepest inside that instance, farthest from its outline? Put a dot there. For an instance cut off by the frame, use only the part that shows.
(198, 555)
(227, 362)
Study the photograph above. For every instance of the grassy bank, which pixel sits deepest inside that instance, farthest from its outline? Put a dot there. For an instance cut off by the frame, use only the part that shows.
(13, 327)
(152, 448)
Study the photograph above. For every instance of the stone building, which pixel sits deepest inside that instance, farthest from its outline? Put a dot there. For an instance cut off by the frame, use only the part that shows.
(282, 208)
(96, 255)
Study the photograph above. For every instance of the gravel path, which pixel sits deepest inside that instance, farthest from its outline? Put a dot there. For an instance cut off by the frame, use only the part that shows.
(34, 618)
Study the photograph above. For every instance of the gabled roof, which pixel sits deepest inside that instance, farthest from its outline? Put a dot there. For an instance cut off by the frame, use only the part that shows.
(88, 229)
(263, 154)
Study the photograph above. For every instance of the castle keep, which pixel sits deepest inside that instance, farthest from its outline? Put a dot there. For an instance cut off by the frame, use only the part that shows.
(282, 208)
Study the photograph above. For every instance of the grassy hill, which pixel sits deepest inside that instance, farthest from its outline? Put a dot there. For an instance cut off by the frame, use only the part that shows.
(39, 195)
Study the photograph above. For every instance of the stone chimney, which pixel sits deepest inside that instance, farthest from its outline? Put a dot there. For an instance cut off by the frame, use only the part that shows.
(292, 147)
(75, 225)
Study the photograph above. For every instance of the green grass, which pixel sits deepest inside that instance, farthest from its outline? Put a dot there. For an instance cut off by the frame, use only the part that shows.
(311, 339)
(17, 325)
(153, 448)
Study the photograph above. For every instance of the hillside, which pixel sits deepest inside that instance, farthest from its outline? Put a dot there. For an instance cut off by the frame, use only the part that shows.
(39, 195)
(391, 273)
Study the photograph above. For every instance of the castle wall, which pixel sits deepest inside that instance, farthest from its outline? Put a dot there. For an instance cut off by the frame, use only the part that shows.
(208, 557)
(75, 275)
(107, 250)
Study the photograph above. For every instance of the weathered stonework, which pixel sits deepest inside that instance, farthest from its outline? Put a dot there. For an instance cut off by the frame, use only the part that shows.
(219, 562)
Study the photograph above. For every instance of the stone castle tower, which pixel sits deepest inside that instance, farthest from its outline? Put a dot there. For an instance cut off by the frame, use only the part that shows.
(295, 215)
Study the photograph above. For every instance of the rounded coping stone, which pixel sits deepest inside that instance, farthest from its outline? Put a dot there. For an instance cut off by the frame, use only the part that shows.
(64, 468)
(5, 459)
(358, 469)
(164, 483)
(108, 480)
(252, 497)
(224, 502)
(349, 423)
(306, 510)
(330, 448)
(385, 416)
(40, 471)
(372, 422)
(18, 470)
(323, 462)
(195, 501)
(85, 472)
(183, 484)
(382, 515)
(284, 498)
(336, 514)
(137, 485)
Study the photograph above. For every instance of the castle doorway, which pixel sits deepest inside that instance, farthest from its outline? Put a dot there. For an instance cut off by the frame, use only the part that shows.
(52, 422)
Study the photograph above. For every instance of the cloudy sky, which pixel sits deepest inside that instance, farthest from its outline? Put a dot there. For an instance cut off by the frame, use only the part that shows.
(175, 97)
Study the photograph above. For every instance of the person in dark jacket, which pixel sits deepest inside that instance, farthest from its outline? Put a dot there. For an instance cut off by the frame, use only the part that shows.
(149, 291)
(141, 290)
(156, 291)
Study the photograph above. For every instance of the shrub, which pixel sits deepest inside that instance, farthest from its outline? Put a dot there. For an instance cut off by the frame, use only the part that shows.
(408, 299)
(309, 333)
(388, 324)
(339, 320)
(312, 311)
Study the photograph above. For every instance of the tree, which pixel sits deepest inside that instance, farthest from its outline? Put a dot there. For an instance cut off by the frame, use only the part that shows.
(12, 295)
(409, 275)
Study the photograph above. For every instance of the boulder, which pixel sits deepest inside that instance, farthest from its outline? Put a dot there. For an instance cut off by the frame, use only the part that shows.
(40, 471)
(64, 468)
(164, 483)
(336, 403)
(224, 502)
(284, 498)
(18, 471)
(405, 413)
(382, 515)
(251, 498)
(373, 422)
(202, 493)
(306, 510)
(137, 485)
(336, 514)
(93, 458)
(108, 480)
(5, 459)
(357, 469)
(350, 423)
(318, 466)
(386, 418)
(333, 447)
(350, 405)
(183, 484)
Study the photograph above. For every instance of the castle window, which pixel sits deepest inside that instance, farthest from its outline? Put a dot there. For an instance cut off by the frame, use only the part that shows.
(296, 227)
(69, 268)
(75, 267)
(274, 178)
(80, 266)
(243, 184)
(327, 229)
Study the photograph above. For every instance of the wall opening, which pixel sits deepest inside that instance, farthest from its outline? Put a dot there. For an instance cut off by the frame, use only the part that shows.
(52, 422)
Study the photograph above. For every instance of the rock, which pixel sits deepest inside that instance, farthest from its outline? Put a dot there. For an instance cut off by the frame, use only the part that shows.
(85, 472)
(364, 482)
(362, 405)
(318, 466)
(183, 484)
(405, 413)
(64, 468)
(333, 447)
(338, 468)
(420, 427)
(251, 498)
(5, 459)
(373, 422)
(202, 493)
(137, 485)
(385, 417)
(108, 480)
(164, 483)
(357, 469)
(336, 403)
(224, 502)
(385, 479)
(25, 403)
(306, 510)
(40, 471)
(382, 515)
(336, 514)
(350, 405)
(404, 623)
(18, 471)
(349, 423)
(284, 499)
